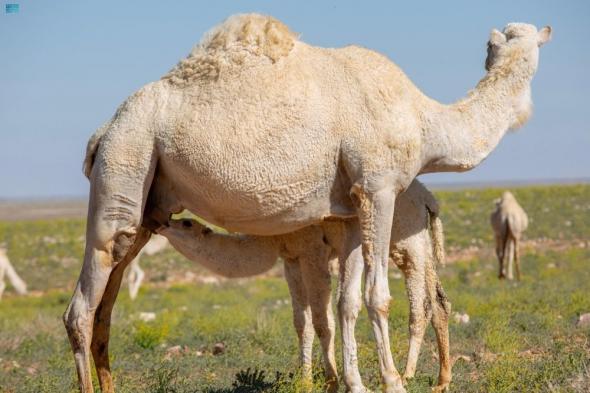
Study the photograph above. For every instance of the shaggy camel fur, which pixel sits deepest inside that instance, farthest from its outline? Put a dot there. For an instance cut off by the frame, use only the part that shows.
(136, 274)
(416, 246)
(6, 269)
(509, 221)
(260, 133)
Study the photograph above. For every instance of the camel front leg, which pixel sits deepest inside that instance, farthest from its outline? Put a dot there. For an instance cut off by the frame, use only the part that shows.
(375, 204)
(349, 305)
(302, 319)
(500, 255)
(102, 318)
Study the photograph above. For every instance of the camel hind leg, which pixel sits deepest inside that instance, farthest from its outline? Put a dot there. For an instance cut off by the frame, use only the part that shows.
(117, 198)
(500, 254)
(517, 258)
(2, 283)
(102, 318)
(441, 309)
(420, 309)
(509, 257)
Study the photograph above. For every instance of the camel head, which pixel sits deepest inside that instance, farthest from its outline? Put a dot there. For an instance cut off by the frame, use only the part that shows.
(507, 196)
(516, 41)
(515, 52)
(187, 226)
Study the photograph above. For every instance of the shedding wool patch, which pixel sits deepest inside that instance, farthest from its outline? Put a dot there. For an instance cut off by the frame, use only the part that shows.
(238, 41)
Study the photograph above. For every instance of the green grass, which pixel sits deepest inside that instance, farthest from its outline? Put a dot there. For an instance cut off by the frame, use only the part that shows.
(522, 336)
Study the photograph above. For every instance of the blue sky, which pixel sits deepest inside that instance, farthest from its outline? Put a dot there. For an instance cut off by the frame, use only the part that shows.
(66, 65)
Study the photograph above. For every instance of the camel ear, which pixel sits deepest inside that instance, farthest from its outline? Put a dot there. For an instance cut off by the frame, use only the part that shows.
(497, 38)
(544, 35)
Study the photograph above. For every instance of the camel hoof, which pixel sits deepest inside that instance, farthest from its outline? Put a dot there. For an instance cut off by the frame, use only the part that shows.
(395, 388)
(406, 379)
(444, 388)
(332, 386)
(360, 389)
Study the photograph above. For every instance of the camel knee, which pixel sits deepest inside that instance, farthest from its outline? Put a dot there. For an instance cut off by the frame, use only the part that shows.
(442, 300)
(77, 321)
(349, 308)
(377, 303)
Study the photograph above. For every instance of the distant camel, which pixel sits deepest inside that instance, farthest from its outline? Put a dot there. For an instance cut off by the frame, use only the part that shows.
(416, 246)
(136, 274)
(509, 221)
(6, 269)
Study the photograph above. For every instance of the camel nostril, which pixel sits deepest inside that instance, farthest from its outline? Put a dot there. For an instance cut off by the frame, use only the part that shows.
(187, 223)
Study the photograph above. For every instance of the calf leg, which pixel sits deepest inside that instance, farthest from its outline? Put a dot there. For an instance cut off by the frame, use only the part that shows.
(316, 277)
(302, 319)
(441, 309)
(420, 309)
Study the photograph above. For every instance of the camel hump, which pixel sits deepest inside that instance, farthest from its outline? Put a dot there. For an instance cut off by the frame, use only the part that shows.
(260, 34)
(235, 42)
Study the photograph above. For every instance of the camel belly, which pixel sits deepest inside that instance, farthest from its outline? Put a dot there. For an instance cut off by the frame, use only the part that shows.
(271, 213)
(260, 193)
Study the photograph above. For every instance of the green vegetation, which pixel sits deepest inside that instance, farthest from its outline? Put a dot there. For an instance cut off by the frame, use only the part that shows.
(522, 337)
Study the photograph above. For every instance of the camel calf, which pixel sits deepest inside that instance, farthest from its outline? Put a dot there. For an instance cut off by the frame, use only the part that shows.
(7, 270)
(509, 221)
(416, 247)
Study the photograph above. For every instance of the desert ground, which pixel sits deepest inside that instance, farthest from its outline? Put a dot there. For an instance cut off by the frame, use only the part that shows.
(215, 335)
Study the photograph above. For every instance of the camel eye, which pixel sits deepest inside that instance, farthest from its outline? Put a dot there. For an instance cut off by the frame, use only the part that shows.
(187, 223)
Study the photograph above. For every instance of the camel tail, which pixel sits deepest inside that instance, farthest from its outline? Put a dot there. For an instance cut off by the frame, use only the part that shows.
(91, 149)
(437, 234)
(19, 285)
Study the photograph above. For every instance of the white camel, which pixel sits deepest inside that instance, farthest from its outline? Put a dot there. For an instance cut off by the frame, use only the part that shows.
(7, 270)
(509, 221)
(136, 274)
(260, 133)
(416, 246)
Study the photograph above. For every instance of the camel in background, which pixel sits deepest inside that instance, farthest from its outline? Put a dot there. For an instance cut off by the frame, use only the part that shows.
(135, 276)
(7, 270)
(509, 221)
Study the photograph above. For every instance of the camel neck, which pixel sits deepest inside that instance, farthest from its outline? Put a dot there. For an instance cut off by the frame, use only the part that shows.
(460, 136)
